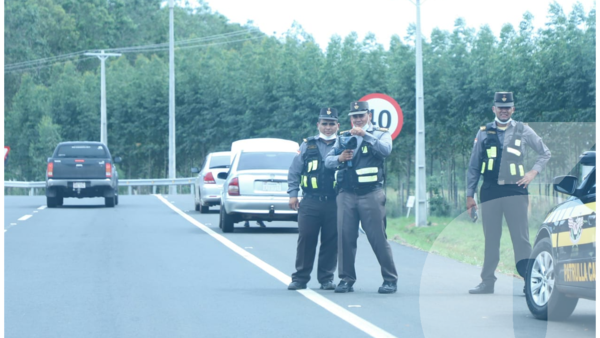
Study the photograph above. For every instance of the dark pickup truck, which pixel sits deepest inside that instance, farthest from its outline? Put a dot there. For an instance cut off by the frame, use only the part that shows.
(82, 169)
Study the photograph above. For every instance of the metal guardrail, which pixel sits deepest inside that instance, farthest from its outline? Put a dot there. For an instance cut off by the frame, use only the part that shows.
(153, 182)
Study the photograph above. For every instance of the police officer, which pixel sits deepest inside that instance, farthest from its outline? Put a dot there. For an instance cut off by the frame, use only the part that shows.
(497, 155)
(317, 211)
(361, 197)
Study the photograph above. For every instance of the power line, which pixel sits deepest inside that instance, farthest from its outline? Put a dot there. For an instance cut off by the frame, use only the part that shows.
(189, 43)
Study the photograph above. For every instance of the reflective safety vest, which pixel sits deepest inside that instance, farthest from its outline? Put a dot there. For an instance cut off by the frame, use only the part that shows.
(367, 170)
(502, 165)
(315, 178)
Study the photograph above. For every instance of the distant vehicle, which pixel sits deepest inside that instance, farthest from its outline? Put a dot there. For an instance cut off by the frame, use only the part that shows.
(82, 169)
(563, 262)
(208, 186)
(255, 186)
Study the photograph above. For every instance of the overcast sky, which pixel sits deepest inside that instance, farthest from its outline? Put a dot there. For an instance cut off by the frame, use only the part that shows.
(384, 18)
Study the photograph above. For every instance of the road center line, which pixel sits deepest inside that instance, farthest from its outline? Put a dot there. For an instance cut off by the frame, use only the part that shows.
(325, 303)
(24, 218)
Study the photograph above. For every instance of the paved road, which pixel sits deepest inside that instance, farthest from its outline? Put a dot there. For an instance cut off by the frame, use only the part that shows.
(154, 267)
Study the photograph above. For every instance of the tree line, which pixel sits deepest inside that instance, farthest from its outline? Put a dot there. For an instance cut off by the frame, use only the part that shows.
(235, 82)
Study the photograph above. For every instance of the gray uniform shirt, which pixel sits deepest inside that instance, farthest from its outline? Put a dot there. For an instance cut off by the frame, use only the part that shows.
(530, 139)
(381, 142)
(298, 164)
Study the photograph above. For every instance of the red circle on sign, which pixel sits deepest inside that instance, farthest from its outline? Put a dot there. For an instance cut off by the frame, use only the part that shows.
(394, 103)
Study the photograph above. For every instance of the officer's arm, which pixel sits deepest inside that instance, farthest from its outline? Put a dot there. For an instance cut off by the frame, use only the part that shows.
(295, 172)
(380, 144)
(537, 144)
(474, 170)
(331, 161)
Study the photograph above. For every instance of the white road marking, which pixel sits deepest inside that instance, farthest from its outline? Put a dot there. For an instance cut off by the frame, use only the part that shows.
(24, 218)
(13, 223)
(42, 207)
(352, 319)
(35, 211)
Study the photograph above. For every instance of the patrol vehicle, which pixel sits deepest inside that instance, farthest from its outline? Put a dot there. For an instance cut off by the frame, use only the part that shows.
(562, 268)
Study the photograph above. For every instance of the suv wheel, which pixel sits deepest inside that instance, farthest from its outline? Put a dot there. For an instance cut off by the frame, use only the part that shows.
(225, 221)
(543, 300)
(203, 209)
(109, 201)
(51, 202)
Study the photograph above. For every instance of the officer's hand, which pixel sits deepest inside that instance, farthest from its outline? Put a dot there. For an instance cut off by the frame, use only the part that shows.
(527, 178)
(471, 204)
(346, 155)
(357, 131)
(294, 204)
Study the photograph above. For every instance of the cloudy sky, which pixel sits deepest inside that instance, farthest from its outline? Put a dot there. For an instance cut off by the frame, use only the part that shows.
(384, 18)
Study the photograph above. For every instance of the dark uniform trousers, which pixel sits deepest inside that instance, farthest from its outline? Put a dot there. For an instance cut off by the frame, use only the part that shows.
(369, 209)
(314, 216)
(510, 201)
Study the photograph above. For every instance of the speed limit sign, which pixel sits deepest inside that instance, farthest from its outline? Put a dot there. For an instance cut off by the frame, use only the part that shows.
(386, 112)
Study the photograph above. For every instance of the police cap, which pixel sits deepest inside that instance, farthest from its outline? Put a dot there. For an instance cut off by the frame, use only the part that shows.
(328, 114)
(359, 107)
(504, 99)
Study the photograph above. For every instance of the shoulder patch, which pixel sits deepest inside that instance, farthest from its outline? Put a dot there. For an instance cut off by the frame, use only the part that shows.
(482, 128)
(383, 129)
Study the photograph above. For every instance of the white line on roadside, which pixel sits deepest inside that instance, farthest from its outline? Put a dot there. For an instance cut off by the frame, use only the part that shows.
(354, 320)
(42, 207)
(24, 218)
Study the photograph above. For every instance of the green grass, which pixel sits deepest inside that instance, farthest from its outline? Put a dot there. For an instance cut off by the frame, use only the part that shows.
(457, 238)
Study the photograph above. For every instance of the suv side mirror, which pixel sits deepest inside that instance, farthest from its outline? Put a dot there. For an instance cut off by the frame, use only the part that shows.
(565, 184)
(222, 175)
(117, 159)
(195, 170)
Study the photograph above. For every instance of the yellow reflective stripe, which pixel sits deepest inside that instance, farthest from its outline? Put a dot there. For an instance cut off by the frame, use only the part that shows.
(513, 151)
(521, 170)
(492, 152)
(518, 143)
(304, 181)
(513, 169)
(490, 164)
(313, 181)
(365, 149)
(370, 170)
(309, 166)
(315, 164)
(482, 167)
(366, 179)
(588, 235)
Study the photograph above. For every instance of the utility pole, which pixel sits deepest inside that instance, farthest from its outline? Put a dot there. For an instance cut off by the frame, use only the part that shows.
(172, 174)
(102, 56)
(420, 188)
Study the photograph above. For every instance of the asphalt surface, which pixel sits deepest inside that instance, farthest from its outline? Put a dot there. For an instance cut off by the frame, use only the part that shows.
(154, 267)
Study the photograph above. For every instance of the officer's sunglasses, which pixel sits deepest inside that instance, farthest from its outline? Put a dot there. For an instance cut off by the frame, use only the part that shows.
(504, 108)
(330, 124)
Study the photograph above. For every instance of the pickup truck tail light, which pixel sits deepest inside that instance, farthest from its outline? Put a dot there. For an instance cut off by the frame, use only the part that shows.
(50, 171)
(108, 170)
(234, 187)
(209, 178)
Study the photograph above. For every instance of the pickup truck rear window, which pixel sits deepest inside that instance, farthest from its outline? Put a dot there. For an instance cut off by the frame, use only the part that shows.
(267, 160)
(81, 150)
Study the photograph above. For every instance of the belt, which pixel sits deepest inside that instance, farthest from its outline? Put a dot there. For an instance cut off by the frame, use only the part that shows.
(320, 197)
(363, 190)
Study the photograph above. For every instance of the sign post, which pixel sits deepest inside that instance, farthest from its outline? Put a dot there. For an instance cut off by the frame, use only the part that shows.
(386, 112)
(409, 204)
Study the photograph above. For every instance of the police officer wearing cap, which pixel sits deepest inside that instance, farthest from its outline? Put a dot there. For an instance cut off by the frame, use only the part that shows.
(497, 155)
(317, 212)
(361, 197)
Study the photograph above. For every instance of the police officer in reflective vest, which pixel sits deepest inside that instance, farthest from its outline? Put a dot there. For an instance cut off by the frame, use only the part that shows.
(317, 211)
(359, 155)
(497, 155)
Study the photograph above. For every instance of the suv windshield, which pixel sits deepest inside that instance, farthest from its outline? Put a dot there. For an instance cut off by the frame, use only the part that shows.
(270, 160)
(219, 162)
(81, 150)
